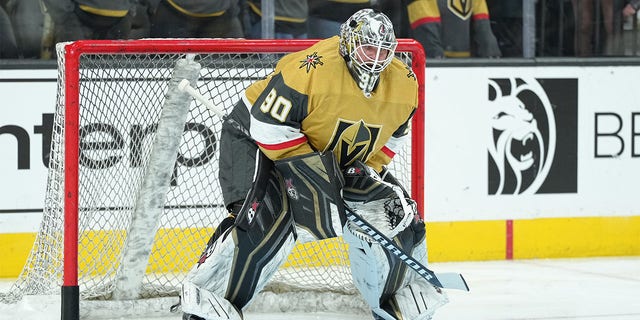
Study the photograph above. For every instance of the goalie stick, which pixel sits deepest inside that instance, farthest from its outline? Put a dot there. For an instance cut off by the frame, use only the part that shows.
(185, 86)
(441, 280)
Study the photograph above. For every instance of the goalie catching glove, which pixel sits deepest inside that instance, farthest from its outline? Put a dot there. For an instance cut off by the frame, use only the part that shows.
(381, 203)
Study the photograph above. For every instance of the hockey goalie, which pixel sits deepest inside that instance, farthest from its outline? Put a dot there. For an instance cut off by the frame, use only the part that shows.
(303, 145)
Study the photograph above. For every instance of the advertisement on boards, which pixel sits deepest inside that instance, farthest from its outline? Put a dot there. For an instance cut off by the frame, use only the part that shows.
(501, 143)
(531, 142)
(28, 104)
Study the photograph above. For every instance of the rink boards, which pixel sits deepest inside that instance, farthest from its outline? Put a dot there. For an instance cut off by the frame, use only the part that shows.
(456, 241)
(521, 162)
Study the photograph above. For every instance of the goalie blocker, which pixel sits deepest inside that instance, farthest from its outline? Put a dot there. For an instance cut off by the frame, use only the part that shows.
(299, 199)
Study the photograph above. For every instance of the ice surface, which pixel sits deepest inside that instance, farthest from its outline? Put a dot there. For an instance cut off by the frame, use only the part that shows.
(585, 289)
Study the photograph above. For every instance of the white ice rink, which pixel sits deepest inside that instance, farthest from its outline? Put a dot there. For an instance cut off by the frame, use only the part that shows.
(586, 289)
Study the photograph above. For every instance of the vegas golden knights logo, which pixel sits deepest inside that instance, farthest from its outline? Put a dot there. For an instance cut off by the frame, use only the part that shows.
(461, 8)
(353, 141)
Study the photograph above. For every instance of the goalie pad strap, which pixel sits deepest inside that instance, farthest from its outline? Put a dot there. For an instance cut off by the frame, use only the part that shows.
(264, 201)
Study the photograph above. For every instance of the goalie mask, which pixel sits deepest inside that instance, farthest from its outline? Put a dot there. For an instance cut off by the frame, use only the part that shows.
(367, 43)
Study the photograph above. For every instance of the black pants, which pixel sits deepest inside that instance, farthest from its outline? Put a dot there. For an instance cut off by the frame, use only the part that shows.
(8, 47)
(237, 155)
(167, 22)
(85, 25)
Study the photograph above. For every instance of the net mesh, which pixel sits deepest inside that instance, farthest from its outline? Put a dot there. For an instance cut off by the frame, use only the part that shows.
(121, 97)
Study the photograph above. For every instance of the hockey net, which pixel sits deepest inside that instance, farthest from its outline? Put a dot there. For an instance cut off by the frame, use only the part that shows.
(120, 230)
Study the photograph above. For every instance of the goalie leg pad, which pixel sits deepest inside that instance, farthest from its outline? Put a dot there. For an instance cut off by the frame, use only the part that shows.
(211, 270)
(417, 300)
(385, 282)
(204, 287)
(206, 304)
(369, 265)
(413, 297)
(239, 261)
(236, 268)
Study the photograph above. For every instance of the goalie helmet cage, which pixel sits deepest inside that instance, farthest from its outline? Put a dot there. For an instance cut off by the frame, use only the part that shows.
(139, 184)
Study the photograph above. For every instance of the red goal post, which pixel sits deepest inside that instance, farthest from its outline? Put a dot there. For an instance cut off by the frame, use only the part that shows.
(90, 77)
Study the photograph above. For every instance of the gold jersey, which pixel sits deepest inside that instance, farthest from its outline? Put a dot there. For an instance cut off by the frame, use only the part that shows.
(312, 103)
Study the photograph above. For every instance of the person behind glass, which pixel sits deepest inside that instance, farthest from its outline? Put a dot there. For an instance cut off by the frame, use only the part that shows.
(8, 47)
(631, 8)
(195, 19)
(313, 137)
(455, 29)
(587, 31)
(28, 27)
(507, 26)
(290, 19)
(91, 19)
(326, 16)
(141, 21)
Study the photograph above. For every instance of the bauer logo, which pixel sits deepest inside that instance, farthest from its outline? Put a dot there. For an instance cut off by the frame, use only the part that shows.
(533, 136)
